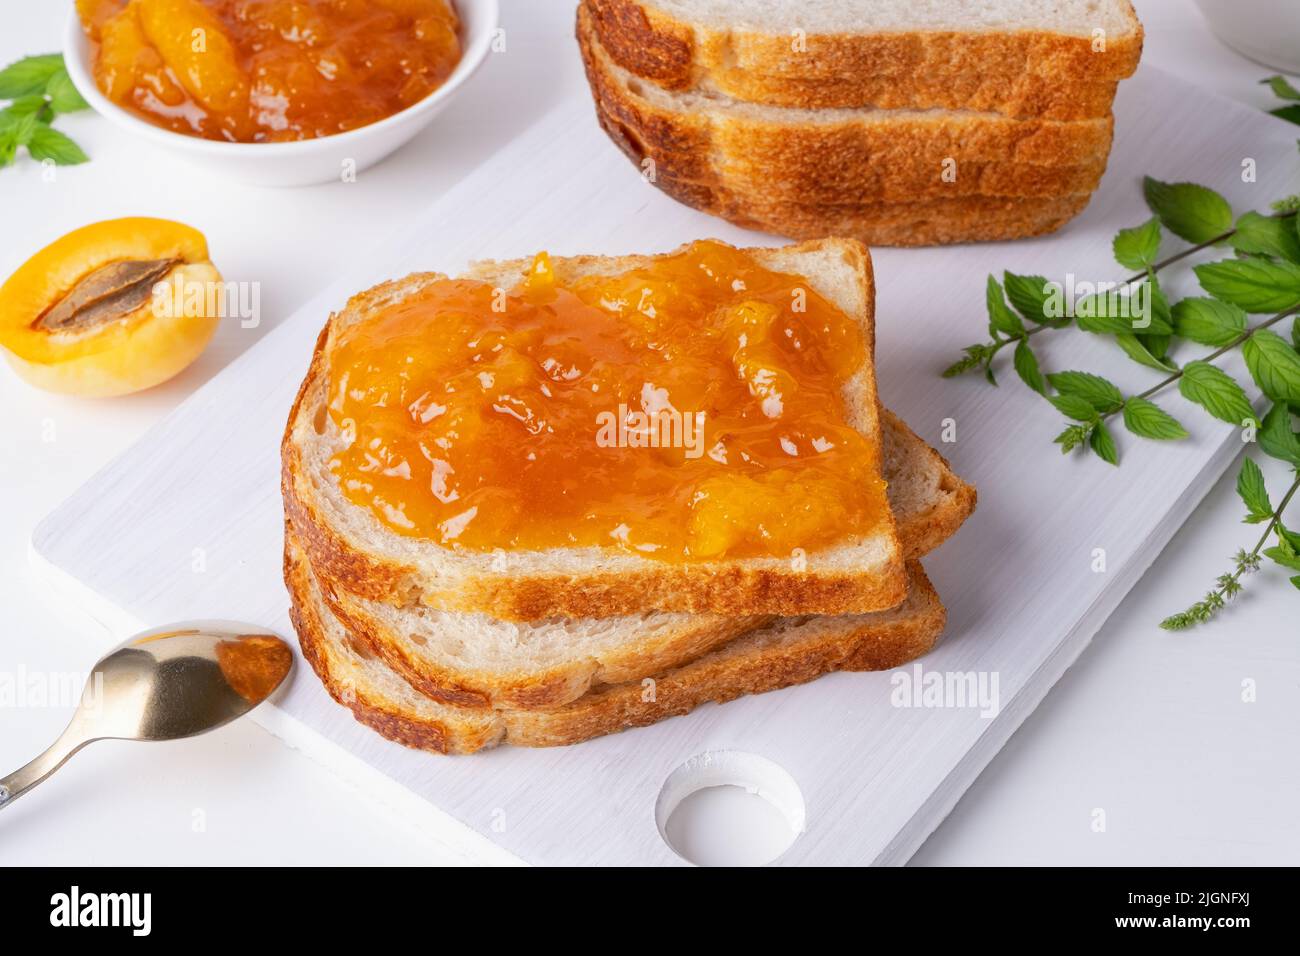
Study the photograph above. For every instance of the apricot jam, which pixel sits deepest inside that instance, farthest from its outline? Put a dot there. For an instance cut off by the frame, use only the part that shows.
(690, 409)
(261, 71)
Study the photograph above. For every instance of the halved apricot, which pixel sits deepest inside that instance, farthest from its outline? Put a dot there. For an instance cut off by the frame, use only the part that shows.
(110, 308)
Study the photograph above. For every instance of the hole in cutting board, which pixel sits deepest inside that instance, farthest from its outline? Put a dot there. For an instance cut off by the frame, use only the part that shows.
(729, 808)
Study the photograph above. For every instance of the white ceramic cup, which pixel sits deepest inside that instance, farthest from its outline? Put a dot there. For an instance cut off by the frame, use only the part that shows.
(1267, 31)
(306, 161)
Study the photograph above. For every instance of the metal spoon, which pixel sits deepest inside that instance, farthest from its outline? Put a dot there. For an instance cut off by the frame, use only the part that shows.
(167, 683)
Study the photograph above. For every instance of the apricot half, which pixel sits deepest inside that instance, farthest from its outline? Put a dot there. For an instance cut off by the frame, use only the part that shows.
(111, 308)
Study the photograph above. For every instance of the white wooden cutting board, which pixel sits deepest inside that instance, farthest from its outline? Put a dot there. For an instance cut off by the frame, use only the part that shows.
(187, 524)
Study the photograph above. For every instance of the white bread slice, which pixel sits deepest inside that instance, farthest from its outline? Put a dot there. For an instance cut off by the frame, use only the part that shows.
(350, 548)
(843, 155)
(812, 173)
(788, 652)
(1053, 59)
(472, 660)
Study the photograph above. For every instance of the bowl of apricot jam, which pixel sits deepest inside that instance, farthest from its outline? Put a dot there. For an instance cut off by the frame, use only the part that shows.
(276, 92)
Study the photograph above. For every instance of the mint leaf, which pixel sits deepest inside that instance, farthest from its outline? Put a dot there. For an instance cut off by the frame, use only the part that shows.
(1267, 236)
(29, 75)
(1146, 419)
(1284, 556)
(1253, 491)
(21, 107)
(1282, 88)
(1274, 365)
(1074, 406)
(1001, 318)
(1276, 437)
(24, 128)
(64, 97)
(1027, 367)
(1289, 113)
(1257, 285)
(1100, 394)
(1031, 298)
(1215, 390)
(1136, 349)
(1208, 321)
(1103, 444)
(1103, 314)
(1161, 316)
(1295, 332)
(47, 143)
(1136, 248)
(1193, 212)
(1110, 313)
(1156, 337)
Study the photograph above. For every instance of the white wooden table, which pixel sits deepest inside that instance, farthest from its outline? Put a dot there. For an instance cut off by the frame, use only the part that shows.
(1134, 729)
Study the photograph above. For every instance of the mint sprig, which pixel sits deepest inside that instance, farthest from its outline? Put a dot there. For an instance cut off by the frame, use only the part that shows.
(39, 90)
(1286, 551)
(1262, 277)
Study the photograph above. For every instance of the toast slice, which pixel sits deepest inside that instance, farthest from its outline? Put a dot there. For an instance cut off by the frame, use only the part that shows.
(857, 156)
(788, 652)
(351, 549)
(1037, 58)
(472, 660)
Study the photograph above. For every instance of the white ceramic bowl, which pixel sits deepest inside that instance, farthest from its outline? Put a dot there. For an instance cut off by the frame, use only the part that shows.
(299, 163)
(1267, 31)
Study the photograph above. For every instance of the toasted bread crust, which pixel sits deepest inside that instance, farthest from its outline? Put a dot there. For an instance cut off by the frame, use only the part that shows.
(377, 713)
(1026, 73)
(920, 532)
(937, 222)
(872, 642)
(528, 690)
(726, 588)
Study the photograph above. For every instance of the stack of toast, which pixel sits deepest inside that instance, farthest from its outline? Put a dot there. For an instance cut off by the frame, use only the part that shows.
(454, 650)
(891, 121)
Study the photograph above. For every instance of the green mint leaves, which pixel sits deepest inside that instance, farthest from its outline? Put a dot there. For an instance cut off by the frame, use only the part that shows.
(1254, 284)
(1217, 392)
(39, 90)
(1029, 297)
(1274, 365)
(1136, 248)
(1208, 321)
(30, 75)
(1146, 419)
(1283, 90)
(1253, 492)
(1001, 318)
(1189, 211)
(1276, 439)
(1267, 236)
(1099, 394)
